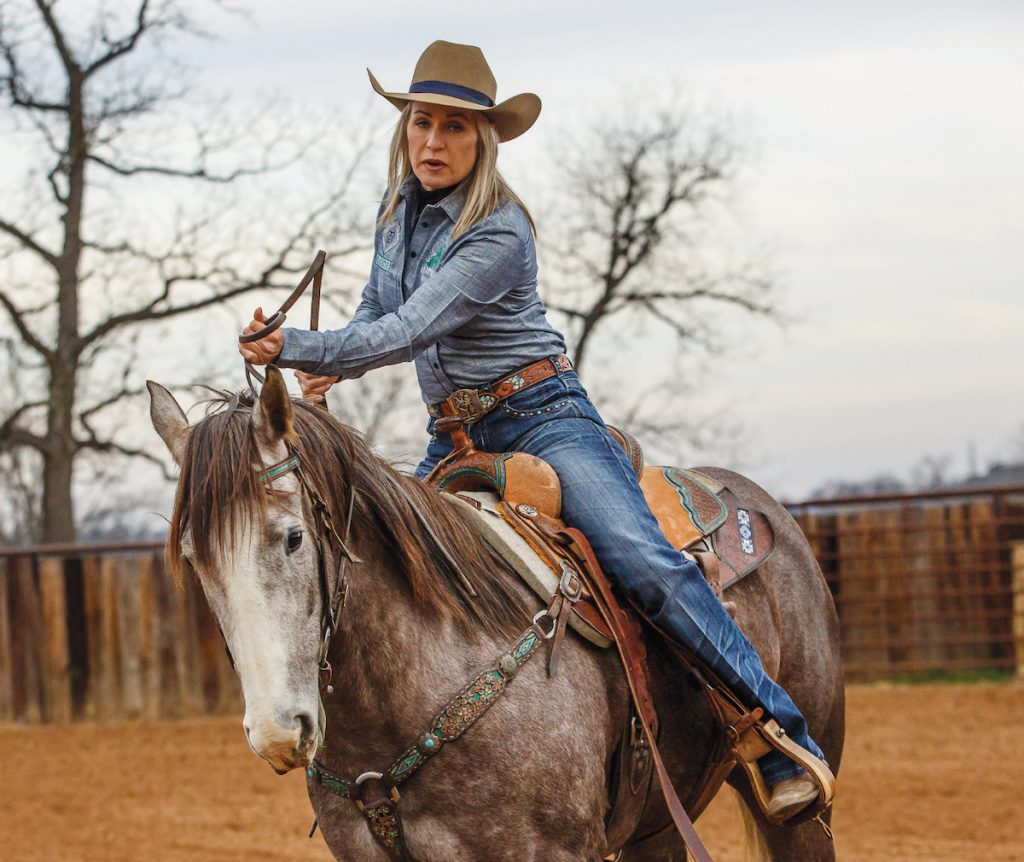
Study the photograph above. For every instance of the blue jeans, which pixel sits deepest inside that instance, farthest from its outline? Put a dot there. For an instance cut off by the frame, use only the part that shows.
(601, 497)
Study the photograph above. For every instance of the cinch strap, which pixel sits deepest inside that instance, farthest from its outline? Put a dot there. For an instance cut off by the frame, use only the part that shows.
(443, 88)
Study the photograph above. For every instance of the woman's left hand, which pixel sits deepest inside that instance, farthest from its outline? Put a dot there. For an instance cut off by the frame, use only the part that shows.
(314, 386)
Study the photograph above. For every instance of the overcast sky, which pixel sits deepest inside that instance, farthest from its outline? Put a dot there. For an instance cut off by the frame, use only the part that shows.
(888, 180)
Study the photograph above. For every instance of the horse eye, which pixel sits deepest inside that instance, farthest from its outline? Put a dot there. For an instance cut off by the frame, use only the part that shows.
(294, 540)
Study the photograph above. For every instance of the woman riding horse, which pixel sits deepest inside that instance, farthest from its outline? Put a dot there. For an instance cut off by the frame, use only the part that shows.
(453, 287)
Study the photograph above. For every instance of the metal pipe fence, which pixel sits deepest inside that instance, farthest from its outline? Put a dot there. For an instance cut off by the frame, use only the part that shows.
(924, 582)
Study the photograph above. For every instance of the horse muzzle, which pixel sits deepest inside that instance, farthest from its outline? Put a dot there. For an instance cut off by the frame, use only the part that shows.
(284, 744)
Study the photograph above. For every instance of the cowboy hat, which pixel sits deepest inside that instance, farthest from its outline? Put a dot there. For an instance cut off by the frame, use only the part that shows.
(458, 75)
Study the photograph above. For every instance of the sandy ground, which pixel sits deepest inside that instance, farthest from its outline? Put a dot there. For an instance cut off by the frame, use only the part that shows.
(930, 773)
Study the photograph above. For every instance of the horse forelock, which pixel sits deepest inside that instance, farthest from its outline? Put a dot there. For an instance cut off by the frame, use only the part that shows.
(219, 482)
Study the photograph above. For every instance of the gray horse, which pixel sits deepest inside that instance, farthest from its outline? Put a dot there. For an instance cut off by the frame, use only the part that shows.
(529, 781)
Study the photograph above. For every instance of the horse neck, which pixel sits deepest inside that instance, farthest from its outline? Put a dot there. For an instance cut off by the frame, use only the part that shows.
(394, 664)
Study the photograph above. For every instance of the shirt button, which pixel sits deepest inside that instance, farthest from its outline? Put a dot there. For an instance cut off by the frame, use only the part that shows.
(424, 224)
(412, 254)
(437, 365)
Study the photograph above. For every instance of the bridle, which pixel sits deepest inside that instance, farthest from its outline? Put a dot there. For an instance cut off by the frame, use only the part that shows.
(332, 595)
(376, 794)
(333, 591)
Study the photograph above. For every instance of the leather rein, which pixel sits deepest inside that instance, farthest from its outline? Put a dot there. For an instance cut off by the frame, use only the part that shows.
(315, 276)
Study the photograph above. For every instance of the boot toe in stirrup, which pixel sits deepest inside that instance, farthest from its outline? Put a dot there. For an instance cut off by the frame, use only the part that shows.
(791, 796)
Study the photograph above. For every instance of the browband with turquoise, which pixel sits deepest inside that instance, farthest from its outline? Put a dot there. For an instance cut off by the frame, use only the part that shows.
(286, 466)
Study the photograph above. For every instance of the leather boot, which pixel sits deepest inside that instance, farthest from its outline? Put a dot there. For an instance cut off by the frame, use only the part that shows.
(791, 796)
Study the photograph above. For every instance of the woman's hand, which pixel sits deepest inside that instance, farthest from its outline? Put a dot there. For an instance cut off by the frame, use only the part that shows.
(314, 386)
(268, 348)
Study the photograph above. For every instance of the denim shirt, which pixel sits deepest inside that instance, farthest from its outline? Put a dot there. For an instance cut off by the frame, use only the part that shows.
(466, 310)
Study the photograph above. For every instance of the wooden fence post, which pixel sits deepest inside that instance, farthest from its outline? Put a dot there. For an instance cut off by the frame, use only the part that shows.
(56, 680)
(6, 644)
(1017, 564)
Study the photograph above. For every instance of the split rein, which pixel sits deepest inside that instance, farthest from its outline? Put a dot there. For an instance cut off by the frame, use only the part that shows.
(315, 276)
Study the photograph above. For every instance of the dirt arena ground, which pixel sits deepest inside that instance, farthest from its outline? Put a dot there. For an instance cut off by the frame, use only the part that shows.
(931, 773)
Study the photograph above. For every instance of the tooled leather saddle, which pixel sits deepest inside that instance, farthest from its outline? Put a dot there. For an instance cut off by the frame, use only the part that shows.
(699, 515)
(695, 511)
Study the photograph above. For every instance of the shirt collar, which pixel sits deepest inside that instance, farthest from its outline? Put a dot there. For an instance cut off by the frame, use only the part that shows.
(452, 205)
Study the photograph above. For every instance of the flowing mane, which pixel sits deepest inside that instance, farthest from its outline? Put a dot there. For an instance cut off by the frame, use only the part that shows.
(219, 483)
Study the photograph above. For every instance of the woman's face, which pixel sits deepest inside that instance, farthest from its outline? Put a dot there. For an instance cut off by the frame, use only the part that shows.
(442, 144)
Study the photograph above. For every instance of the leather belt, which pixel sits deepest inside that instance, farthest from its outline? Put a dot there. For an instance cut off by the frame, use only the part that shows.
(470, 405)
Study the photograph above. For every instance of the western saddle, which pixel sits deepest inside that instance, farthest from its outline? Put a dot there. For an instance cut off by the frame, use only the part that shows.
(514, 500)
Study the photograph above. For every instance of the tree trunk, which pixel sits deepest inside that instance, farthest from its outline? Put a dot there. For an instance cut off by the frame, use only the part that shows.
(58, 516)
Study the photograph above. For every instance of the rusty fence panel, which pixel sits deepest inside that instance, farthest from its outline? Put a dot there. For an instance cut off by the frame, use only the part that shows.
(924, 582)
(103, 633)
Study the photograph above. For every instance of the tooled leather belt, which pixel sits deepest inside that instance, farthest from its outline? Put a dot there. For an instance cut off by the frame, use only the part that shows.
(469, 405)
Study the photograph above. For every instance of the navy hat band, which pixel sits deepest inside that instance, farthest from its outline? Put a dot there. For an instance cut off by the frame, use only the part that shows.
(443, 88)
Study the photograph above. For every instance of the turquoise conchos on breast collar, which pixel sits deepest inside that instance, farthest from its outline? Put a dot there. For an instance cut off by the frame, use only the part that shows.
(279, 469)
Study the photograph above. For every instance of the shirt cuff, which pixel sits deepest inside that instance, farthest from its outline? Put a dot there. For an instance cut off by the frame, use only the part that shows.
(302, 349)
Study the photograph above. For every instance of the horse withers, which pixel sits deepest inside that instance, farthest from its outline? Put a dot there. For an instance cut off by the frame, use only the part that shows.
(282, 511)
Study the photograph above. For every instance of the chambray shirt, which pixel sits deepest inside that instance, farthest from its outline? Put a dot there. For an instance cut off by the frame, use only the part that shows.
(467, 311)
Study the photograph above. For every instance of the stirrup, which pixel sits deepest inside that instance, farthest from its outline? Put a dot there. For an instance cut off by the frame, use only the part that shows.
(760, 739)
(750, 737)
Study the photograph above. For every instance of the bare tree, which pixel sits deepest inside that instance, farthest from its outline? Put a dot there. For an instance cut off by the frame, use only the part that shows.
(634, 239)
(630, 232)
(135, 214)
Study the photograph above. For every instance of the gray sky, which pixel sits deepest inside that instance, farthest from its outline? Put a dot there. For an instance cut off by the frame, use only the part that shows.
(888, 182)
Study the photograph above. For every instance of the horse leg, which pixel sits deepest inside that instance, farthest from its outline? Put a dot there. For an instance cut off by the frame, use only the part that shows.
(767, 843)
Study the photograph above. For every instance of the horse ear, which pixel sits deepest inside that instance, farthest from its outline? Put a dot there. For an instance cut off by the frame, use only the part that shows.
(169, 419)
(273, 419)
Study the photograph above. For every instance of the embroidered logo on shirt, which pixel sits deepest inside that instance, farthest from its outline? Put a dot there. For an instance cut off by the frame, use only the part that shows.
(435, 258)
(382, 262)
(391, 235)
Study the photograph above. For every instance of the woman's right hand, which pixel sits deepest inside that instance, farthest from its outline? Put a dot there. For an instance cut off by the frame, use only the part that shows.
(268, 348)
(314, 386)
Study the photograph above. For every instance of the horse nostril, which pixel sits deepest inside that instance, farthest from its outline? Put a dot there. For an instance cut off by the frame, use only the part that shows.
(307, 725)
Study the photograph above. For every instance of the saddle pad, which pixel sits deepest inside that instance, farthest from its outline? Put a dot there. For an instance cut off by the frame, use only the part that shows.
(513, 548)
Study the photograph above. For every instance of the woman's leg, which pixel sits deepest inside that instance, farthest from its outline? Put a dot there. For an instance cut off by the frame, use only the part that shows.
(601, 498)
(437, 448)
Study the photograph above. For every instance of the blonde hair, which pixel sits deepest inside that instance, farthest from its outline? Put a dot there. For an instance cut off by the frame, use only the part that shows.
(485, 187)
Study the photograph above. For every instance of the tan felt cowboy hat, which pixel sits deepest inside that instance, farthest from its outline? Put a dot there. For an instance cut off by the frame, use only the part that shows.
(458, 75)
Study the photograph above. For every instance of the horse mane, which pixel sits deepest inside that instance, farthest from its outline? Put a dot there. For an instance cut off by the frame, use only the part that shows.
(219, 477)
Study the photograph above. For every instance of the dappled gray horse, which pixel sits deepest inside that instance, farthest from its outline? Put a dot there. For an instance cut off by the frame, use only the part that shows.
(423, 607)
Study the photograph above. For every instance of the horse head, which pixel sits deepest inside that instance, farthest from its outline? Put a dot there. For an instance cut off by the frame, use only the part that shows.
(249, 532)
